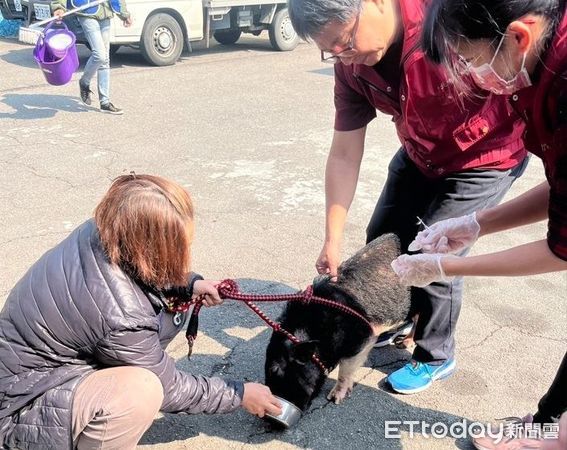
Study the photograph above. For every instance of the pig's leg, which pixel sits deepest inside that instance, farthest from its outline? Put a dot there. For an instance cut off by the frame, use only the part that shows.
(408, 343)
(347, 368)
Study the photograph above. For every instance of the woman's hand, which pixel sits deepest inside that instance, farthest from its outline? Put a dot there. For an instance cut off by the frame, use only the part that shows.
(58, 13)
(420, 270)
(447, 236)
(207, 291)
(258, 400)
(127, 22)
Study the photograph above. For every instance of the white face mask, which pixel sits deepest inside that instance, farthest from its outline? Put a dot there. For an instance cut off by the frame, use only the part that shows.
(486, 77)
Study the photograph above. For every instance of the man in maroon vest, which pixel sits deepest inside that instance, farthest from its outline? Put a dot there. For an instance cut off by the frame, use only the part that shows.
(458, 153)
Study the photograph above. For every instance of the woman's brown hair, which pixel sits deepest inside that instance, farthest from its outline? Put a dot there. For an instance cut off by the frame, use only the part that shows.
(146, 228)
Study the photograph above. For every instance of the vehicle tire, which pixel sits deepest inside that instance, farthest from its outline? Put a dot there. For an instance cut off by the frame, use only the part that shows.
(114, 48)
(162, 40)
(282, 35)
(227, 37)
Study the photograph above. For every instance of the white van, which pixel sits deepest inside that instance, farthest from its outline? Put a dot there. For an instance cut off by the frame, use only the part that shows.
(163, 28)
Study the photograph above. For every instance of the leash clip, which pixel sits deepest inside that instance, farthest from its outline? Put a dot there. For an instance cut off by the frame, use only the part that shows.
(177, 319)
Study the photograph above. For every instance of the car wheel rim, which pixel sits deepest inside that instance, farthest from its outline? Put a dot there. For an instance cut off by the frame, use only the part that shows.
(287, 31)
(164, 41)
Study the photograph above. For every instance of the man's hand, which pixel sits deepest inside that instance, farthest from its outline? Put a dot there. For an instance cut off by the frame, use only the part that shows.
(58, 13)
(258, 400)
(328, 261)
(127, 22)
(207, 291)
(420, 270)
(447, 236)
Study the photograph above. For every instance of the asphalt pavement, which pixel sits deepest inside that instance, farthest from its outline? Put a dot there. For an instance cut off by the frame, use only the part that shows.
(246, 130)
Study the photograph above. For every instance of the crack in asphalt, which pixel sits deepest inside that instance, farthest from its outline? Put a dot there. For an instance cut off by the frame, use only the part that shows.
(486, 338)
(110, 173)
(34, 172)
(107, 167)
(218, 368)
(14, 138)
(318, 408)
(510, 327)
(524, 333)
(527, 333)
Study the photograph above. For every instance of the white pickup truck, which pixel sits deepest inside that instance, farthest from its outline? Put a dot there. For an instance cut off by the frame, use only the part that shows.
(163, 28)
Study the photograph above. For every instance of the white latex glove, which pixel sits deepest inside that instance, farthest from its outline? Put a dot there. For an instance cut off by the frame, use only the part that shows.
(447, 236)
(419, 270)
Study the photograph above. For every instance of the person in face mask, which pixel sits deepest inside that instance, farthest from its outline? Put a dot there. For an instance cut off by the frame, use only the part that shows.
(515, 48)
(486, 77)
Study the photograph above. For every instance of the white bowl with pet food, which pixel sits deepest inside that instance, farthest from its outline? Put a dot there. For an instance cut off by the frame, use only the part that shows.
(290, 414)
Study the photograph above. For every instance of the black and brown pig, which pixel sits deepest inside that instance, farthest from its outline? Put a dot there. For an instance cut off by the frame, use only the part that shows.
(365, 283)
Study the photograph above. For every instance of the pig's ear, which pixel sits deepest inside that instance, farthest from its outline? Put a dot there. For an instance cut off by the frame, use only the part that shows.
(303, 351)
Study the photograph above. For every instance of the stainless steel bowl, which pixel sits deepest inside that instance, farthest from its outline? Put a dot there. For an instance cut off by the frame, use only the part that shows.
(290, 414)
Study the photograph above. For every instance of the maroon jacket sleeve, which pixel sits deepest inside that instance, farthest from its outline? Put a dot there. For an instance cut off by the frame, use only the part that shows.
(555, 160)
(557, 225)
(352, 108)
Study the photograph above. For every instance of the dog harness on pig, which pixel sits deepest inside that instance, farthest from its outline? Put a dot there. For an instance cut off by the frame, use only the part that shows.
(229, 289)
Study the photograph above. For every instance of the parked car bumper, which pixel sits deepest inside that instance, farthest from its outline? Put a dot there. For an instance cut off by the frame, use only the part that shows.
(10, 10)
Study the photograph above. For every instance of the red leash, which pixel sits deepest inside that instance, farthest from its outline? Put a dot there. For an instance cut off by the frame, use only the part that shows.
(229, 289)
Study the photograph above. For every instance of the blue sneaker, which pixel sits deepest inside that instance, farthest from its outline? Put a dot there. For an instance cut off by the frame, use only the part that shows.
(416, 377)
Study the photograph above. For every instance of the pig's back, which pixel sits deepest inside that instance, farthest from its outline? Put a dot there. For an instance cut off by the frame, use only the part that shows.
(368, 277)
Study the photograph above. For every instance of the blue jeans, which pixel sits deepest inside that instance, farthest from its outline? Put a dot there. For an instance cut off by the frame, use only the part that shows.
(97, 33)
(407, 194)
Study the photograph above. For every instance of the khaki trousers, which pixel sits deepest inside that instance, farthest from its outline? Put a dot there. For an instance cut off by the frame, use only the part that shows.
(113, 408)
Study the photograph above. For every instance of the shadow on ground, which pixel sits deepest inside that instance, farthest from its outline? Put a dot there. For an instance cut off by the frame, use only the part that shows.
(360, 421)
(125, 57)
(128, 56)
(39, 106)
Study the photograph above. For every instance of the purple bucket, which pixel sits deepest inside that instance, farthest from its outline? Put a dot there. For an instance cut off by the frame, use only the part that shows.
(57, 64)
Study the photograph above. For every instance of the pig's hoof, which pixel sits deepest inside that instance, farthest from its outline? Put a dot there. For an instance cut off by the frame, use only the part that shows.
(340, 392)
(406, 343)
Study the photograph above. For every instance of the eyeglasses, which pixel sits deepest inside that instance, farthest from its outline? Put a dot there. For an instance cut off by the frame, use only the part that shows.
(348, 52)
(462, 65)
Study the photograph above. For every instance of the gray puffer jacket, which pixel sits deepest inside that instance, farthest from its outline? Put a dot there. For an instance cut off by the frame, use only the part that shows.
(71, 314)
